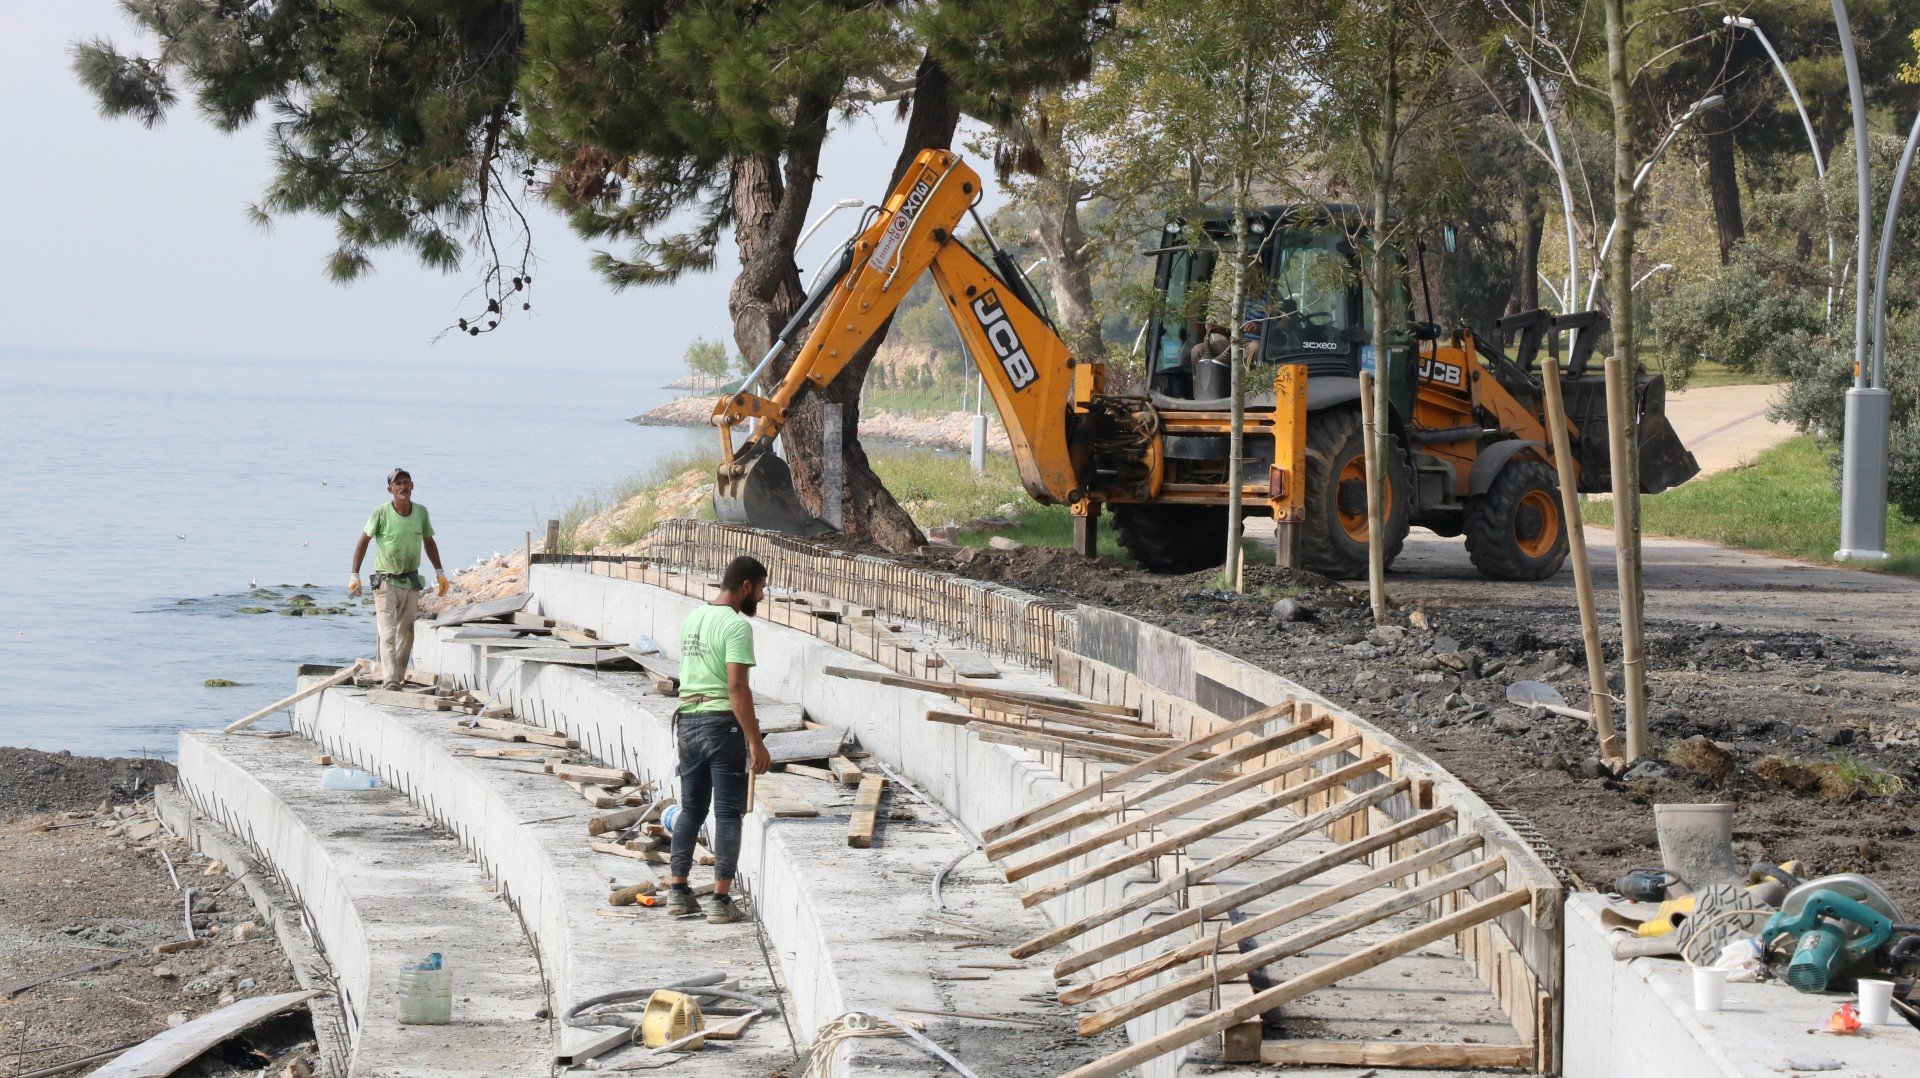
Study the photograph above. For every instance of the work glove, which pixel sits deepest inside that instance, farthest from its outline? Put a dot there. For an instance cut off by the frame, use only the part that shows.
(353, 584)
(441, 591)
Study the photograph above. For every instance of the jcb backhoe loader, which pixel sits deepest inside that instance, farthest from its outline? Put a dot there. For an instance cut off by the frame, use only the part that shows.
(1472, 455)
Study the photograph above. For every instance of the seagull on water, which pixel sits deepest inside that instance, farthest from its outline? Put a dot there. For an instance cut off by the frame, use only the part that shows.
(253, 583)
(177, 535)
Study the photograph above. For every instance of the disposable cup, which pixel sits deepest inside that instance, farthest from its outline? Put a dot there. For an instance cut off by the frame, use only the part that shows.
(1876, 1002)
(1709, 987)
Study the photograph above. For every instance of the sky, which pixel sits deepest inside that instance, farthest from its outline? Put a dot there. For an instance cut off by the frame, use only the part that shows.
(124, 239)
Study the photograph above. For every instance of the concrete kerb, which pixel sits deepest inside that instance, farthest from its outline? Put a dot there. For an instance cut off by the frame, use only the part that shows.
(280, 912)
(978, 783)
(378, 889)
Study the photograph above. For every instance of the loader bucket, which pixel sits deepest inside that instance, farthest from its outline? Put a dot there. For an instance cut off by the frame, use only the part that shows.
(1664, 461)
(757, 490)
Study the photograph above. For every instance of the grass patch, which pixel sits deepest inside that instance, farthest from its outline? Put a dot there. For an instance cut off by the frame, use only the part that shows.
(633, 525)
(940, 488)
(920, 401)
(1707, 374)
(1784, 502)
(1848, 776)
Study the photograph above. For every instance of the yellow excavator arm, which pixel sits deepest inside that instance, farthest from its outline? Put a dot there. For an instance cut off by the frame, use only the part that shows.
(1035, 384)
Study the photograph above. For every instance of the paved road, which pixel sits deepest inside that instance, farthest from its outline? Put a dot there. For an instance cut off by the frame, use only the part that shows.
(1726, 426)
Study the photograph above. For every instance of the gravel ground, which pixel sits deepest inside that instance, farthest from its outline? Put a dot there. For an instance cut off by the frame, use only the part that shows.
(1756, 717)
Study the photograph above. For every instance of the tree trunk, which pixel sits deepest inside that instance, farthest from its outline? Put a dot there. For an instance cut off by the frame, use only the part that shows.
(1379, 438)
(1533, 229)
(1723, 185)
(1069, 276)
(1622, 407)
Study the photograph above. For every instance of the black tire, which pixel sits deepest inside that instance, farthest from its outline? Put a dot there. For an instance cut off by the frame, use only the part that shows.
(1515, 531)
(1331, 541)
(1172, 538)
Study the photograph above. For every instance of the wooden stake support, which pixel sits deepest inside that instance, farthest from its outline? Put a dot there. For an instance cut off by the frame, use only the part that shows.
(866, 812)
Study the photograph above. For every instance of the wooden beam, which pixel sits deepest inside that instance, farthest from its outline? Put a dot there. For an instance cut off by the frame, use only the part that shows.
(1106, 724)
(1179, 840)
(994, 735)
(1394, 1054)
(1197, 874)
(1231, 965)
(1307, 983)
(1231, 935)
(604, 776)
(1207, 796)
(780, 801)
(1174, 753)
(414, 700)
(1138, 745)
(615, 821)
(1240, 896)
(1127, 799)
(345, 674)
(844, 769)
(541, 753)
(954, 689)
(866, 812)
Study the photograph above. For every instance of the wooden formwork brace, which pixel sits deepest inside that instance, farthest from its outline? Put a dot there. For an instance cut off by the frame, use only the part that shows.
(1240, 896)
(1181, 839)
(981, 692)
(1129, 798)
(1139, 746)
(1226, 969)
(1395, 1054)
(1204, 871)
(1106, 724)
(1280, 917)
(1289, 763)
(1185, 750)
(1307, 983)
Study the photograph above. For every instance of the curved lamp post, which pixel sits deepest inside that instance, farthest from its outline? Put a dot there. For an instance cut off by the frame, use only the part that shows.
(1640, 178)
(1559, 171)
(1863, 467)
(1813, 142)
(1649, 273)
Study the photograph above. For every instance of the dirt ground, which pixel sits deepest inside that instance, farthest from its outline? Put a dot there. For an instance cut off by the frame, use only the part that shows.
(1757, 699)
(82, 879)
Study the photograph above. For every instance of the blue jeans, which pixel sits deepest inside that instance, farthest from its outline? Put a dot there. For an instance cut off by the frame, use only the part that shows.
(713, 769)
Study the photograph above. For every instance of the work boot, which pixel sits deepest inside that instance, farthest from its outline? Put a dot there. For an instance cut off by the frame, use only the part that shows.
(720, 910)
(680, 901)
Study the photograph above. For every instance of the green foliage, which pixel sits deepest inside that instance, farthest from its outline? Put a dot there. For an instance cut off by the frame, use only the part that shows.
(1784, 502)
(706, 356)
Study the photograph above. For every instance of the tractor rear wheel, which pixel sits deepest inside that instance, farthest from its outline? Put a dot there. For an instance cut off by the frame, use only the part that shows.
(1333, 539)
(1172, 538)
(1515, 531)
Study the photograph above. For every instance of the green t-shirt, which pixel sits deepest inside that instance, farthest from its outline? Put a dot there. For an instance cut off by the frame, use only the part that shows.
(397, 538)
(710, 638)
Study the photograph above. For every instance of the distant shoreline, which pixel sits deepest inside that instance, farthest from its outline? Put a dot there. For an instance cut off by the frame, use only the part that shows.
(952, 431)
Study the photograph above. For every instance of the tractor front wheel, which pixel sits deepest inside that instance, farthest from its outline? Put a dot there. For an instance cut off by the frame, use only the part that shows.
(1172, 538)
(1515, 531)
(1333, 540)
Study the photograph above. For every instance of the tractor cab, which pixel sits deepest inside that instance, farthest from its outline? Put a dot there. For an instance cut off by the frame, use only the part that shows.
(1306, 304)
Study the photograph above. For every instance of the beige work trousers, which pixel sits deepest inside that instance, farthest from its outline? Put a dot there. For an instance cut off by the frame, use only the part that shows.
(394, 609)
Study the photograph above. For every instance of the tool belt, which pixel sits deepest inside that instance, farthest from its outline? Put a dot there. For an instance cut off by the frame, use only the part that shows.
(693, 701)
(409, 581)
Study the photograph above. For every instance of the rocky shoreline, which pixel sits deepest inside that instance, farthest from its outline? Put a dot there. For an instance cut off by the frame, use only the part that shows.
(952, 431)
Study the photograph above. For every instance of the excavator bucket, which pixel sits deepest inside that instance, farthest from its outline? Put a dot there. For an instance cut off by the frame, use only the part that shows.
(756, 489)
(1664, 461)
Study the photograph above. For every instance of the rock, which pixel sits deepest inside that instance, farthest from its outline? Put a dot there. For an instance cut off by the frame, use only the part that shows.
(1001, 542)
(1508, 724)
(1455, 702)
(1445, 644)
(1784, 772)
(253, 610)
(941, 536)
(1646, 771)
(1592, 768)
(244, 984)
(165, 970)
(176, 1019)
(219, 683)
(1702, 756)
(1837, 735)
(1475, 715)
(245, 931)
(1291, 610)
(1418, 619)
(1383, 635)
(296, 1069)
(211, 982)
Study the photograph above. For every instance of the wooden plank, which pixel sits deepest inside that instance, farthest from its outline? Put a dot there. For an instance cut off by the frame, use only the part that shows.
(539, 753)
(492, 608)
(866, 812)
(1231, 965)
(1179, 840)
(968, 663)
(808, 771)
(780, 801)
(569, 656)
(1307, 983)
(948, 688)
(804, 744)
(414, 700)
(1231, 935)
(1233, 900)
(844, 769)
(604, 776)
(493, 635)
(991, 709)
(1133, 825)
(532, 621)
(1108, 783)
(994, 735)
(170, 1050)
(615, 821)
(1435, 1056)
(1139, 747)
(614, 849)
(344, 675)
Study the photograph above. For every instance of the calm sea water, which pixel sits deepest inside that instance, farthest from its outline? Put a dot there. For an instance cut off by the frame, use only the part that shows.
(142, 498)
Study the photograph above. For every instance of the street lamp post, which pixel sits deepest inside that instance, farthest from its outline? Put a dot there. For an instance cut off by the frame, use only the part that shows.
(1640, 178)
(1863, 467)
(1559, 171)
(1813, 141)
(1649, 273)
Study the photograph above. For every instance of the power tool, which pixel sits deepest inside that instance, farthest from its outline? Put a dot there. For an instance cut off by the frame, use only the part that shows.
(1839, 935)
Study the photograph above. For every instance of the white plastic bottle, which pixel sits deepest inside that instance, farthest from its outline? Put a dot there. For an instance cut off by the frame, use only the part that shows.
(347, 778)
(426, 993)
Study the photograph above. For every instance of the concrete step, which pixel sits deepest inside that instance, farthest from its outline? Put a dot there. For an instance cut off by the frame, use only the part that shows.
(853, 929)
(381, 886)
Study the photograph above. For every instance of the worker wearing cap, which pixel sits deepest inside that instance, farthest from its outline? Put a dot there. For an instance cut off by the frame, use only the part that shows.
(400, 528)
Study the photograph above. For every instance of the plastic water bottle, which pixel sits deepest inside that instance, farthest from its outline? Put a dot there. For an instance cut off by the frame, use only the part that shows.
(670, 817)
(426, 993)
(347, 778)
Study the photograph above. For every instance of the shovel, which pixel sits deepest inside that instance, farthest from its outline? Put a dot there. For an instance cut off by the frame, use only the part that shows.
(756, 489)
(1542, 695)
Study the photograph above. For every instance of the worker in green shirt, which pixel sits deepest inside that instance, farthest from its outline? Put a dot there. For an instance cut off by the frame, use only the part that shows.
(400, 528)
(718, 736)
